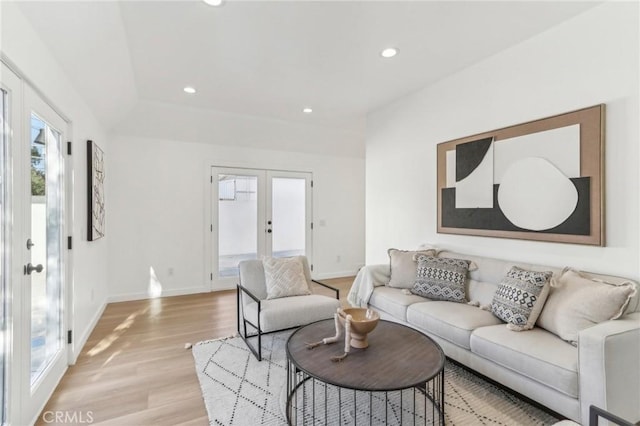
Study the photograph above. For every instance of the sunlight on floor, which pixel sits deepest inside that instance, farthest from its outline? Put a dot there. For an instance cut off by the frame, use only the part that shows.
(103, 344)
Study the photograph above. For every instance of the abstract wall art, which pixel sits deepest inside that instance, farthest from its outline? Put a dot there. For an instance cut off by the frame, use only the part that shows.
(95, 192)
(541, 180)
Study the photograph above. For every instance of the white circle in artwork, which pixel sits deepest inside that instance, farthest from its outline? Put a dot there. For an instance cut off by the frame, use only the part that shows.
(535, 195)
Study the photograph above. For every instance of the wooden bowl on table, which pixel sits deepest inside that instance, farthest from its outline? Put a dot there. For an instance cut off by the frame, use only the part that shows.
(363, 322)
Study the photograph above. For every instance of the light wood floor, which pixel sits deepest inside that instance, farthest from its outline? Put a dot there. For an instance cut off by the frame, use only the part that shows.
(135, 370)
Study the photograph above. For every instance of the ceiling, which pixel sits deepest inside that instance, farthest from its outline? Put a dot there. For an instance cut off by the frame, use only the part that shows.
(272, 58)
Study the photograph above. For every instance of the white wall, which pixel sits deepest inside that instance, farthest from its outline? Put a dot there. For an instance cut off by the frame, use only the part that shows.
(27, 51)
(157, 203)
(587, 60)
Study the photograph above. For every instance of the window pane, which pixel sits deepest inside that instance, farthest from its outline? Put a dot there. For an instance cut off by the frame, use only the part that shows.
(237, 222)
(46, 220)
(288, 215)
(4, 142)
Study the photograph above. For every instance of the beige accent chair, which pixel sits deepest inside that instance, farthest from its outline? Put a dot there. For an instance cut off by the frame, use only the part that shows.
(270, 315)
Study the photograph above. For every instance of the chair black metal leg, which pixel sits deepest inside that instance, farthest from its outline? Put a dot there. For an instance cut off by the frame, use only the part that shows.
(245, 337)
(238, 311)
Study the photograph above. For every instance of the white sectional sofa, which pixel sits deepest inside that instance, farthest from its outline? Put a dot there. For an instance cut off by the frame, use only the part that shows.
(603, 369)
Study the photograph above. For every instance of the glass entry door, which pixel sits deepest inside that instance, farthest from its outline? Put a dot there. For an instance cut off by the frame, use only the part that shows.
(257, 213)
(43, 198)
(4, 241)
(288, 207)
(33, 198)
(240, 208)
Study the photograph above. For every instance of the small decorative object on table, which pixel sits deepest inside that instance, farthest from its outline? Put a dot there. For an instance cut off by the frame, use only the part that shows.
(357, 324)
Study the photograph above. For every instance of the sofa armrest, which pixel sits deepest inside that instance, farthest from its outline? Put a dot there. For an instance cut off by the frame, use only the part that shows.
(368, 278)
(609, 366)
(247, 292)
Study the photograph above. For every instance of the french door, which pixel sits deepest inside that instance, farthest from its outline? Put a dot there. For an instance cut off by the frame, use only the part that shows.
(34, 225)
(257, 213)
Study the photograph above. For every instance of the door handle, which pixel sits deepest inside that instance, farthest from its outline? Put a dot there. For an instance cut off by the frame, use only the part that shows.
(29, 268)
(269, 231)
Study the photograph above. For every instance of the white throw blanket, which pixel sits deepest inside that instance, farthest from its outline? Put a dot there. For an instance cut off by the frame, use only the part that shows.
(368, 277)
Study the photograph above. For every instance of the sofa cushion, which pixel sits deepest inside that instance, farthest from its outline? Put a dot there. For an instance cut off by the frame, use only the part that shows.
(403, 267)
(520, 297)
(441, 278)
(294, 311)
(577, 302)
(536, 354)
(451, 321)
(393, 301)
(284, 277)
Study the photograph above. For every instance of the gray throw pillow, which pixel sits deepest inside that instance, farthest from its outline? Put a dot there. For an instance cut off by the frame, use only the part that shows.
(441, 278)
(520, 297)
(403, 266)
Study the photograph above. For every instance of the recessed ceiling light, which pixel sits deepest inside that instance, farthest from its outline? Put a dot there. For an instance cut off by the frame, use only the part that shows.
(214, 3)
(189, 90)
(389, 52)
(307, 110)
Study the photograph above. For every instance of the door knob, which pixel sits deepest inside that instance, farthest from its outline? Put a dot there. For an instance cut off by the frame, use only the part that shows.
(30, 268)
(30, 244)
(269, 231)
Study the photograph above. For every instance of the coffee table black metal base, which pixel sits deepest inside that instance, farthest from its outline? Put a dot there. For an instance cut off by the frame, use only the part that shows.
(383, 384)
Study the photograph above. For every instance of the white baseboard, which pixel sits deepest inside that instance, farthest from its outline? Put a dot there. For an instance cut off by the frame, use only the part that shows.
(79, 344)
(225, 287)
(140, 296)
(338, 274)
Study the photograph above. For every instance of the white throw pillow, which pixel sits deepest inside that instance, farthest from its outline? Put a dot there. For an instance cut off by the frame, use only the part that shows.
(284, 277)
(577, 302)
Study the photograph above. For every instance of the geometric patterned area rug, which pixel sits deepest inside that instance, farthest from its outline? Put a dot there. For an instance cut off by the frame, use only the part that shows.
(239, 390)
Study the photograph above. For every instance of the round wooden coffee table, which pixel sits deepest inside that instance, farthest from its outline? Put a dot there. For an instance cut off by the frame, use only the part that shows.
(398, 379)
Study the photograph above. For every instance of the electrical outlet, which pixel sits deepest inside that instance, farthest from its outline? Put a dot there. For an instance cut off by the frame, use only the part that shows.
(338, 259)
(170, 271)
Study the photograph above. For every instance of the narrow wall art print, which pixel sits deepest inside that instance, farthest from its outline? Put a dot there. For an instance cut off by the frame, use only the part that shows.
(541, 180)
(95, 191)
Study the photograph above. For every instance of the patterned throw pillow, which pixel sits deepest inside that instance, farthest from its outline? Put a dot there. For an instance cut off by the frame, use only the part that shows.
(441, 278)
(520, 298)
(284, 277)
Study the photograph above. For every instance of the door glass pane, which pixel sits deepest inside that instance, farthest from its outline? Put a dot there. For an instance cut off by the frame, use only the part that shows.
(237, 222)
(4, 142)
(288, 213)
(46, 220)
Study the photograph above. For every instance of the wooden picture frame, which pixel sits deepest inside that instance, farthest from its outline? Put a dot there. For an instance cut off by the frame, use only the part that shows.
(556, 160)
(95, 192)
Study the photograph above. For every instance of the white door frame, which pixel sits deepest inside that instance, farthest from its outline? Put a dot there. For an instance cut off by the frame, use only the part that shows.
(25, 403)
(264, 195)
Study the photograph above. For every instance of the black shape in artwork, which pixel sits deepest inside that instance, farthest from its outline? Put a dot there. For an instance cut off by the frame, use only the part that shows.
(579, 223)
(469, 155)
